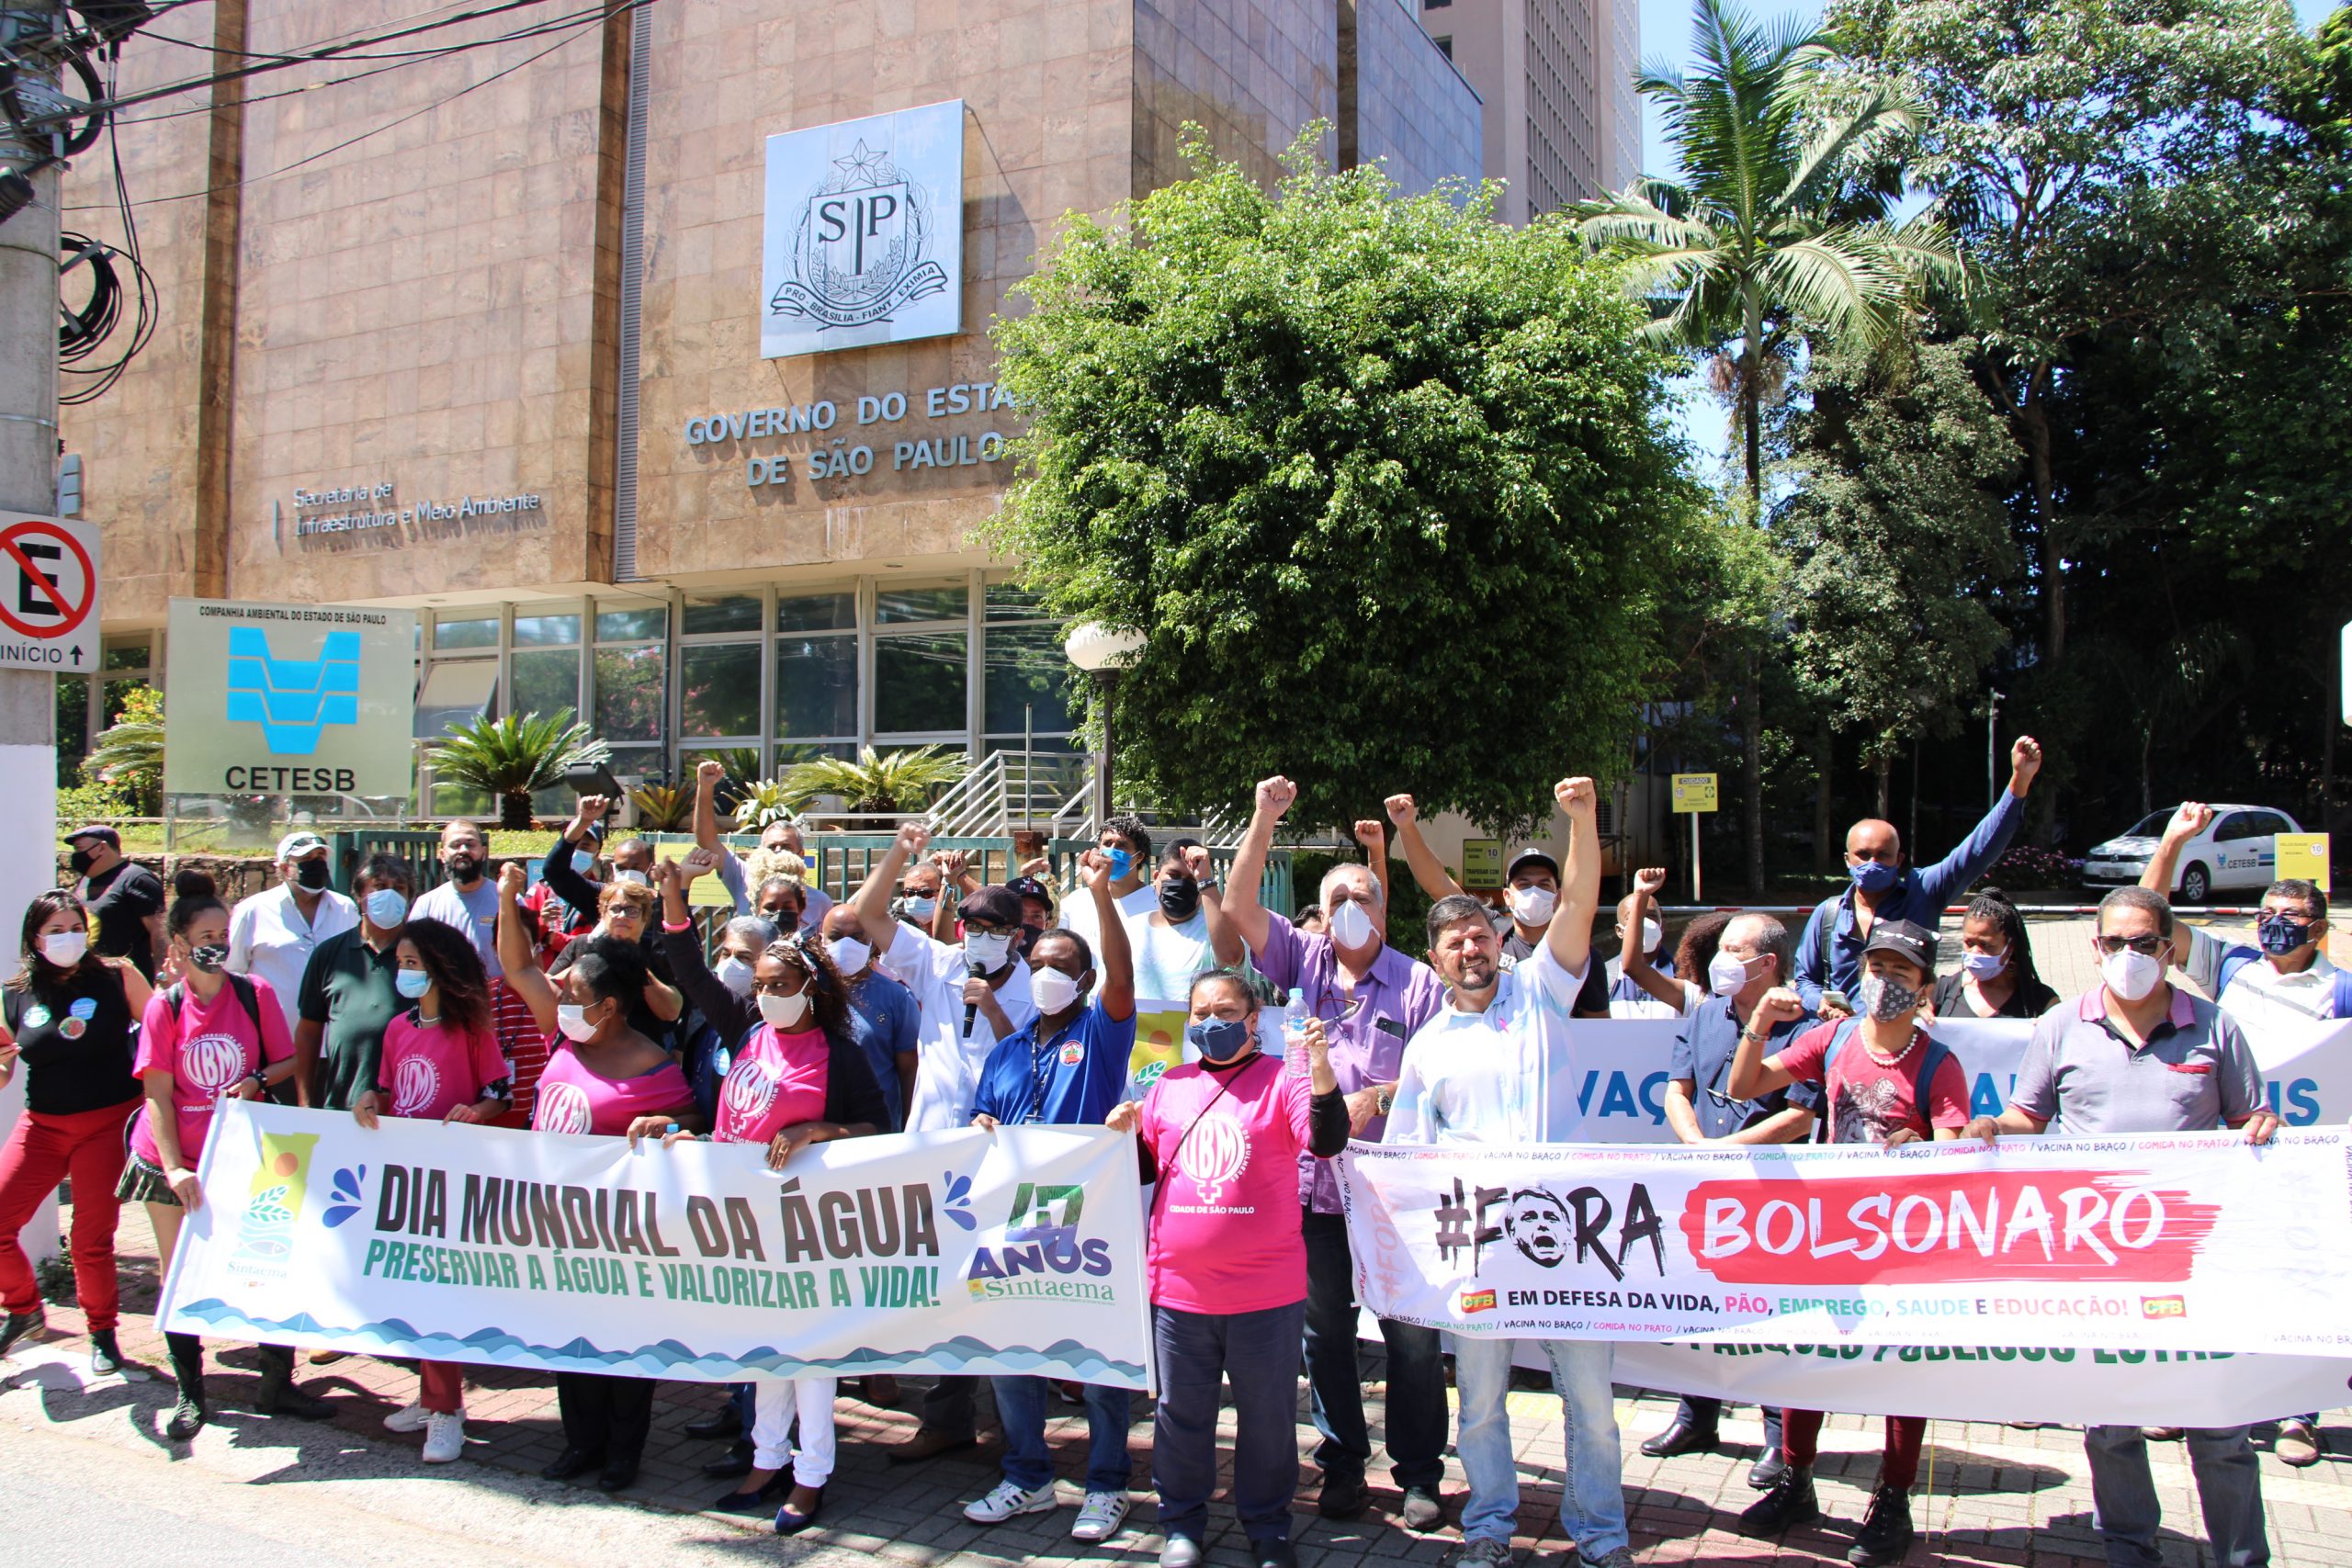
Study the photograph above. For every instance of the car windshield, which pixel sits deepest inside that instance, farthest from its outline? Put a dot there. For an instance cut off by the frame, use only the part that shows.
(2151, 827)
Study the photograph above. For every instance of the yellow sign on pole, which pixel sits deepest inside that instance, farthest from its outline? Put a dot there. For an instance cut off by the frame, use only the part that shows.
(2303, 855)
(1695, 792)
(1482, 862)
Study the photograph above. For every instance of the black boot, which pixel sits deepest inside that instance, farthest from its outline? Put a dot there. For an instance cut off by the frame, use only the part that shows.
(1680, 1439)
(187, 1370)
(1791, 1503)
(16, 1326)
(1886, 1533)
(279, 1396)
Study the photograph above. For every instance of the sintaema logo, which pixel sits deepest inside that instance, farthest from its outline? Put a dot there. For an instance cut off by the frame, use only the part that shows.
(293, 700)
(859, 253)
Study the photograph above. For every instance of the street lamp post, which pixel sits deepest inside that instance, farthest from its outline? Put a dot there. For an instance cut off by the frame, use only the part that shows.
(1102, 652)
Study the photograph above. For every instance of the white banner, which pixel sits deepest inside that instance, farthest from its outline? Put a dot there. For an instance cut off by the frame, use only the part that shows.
(1016, 1252)
(2185, 1242)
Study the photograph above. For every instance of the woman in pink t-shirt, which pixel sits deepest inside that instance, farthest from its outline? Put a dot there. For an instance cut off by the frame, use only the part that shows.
(440, 1063)
(1227, 1265)
(604, 1079)
(207, 1036)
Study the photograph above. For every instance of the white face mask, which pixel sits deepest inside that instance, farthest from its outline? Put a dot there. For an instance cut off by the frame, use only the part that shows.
(387, 908)
(1052, 990)
(65, 949)
(734, 974)
(1726, 973)
(2130, 974)
(573, 1022)
(1534, 906)
(1350, 924)
(986, 950)
(783, 1012)
(920, 908)
(850, 956)
(635, 878)
(1653, 933)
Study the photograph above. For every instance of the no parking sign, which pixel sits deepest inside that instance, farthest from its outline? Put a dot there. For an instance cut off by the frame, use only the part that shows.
(49, 593)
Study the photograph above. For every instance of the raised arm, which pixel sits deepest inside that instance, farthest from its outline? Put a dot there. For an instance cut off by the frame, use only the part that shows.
(524, 976)
(1374, 836)
(1570, 937)
(1241, 906)
(2193, 817)
(733, 1016)
(1985, 842)
(872, 899)
(556, 870)
(1112, 951)
(707, 772)
(1225, 943)
(1419, 859)
(1633, 955)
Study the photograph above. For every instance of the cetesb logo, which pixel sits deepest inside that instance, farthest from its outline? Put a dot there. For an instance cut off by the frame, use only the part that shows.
(859, 254)
(293, 700)
(1042, 1255)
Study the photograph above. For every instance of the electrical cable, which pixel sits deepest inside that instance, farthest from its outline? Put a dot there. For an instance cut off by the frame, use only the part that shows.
(81, 331)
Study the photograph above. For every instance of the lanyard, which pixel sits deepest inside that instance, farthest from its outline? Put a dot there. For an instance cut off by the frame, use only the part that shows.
(1041, 1076)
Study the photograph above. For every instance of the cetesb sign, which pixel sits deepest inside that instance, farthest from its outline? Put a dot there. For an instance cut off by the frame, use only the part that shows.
(289, 699)
(864, 237)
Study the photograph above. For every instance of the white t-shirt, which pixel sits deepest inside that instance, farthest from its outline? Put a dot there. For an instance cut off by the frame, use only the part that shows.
(1627, 999)
(1166, 957)
(268, 937)
(1504, 1076)
(948, 1062)
(1077, 912)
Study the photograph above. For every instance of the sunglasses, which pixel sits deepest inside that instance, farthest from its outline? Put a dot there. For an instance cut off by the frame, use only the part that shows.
(2145, 946)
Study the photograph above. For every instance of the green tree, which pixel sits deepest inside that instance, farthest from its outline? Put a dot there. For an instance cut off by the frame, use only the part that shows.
(129, 757)
(1896, 526)
(514, 757)
(876, 782)
(1388, 488)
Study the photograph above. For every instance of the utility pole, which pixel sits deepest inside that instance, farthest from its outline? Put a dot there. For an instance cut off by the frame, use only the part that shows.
(28, 483)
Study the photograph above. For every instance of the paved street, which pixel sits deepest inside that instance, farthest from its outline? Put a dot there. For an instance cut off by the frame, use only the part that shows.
(1988, 1494)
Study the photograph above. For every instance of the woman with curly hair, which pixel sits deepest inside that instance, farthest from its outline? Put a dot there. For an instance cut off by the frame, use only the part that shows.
(1995, 977)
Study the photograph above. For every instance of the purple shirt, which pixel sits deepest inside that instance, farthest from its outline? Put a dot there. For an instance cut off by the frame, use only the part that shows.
(1394, 999)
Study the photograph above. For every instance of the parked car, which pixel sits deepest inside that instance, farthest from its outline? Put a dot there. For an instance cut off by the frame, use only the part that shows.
(2236, 850)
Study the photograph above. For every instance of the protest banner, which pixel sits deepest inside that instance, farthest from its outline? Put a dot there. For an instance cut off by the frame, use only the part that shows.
(2187, 1242)
(1013, 1252)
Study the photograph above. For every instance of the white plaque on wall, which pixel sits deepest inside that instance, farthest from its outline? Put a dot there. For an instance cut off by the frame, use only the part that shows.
(864, 237)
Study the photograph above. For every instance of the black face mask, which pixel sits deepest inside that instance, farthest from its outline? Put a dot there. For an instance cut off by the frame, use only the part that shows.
(310, 875)
(463, 868)
(81, 860)
(1179, 898)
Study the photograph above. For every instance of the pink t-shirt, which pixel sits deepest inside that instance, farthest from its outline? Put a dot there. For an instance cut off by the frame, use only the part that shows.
(1867, 1101)
(573, 1099)
(431, 1069)
(1224, 1218)
(206, 1049)
(778, 1081)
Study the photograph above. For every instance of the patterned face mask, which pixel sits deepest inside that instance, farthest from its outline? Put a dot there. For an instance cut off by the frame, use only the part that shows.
(1886, 998)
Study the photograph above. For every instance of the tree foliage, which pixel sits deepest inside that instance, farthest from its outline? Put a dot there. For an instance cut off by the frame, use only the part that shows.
(514, 757)
(1385, 486)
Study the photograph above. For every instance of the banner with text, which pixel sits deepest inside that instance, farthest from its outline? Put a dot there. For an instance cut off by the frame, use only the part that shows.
(1621, 1068)
(2187, 1242)
(1017, 1252)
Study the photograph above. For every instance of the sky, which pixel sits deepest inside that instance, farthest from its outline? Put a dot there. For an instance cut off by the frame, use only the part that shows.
(1665, 38)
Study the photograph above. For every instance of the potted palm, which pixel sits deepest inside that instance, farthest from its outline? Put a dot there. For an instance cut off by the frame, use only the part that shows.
(514, 757)
(877, 783)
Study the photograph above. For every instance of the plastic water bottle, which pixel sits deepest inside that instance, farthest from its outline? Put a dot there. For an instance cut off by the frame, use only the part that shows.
(1295, 1035)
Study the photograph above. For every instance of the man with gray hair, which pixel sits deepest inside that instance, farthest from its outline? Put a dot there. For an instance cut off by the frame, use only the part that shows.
(1372, 999)
(2137, 1054)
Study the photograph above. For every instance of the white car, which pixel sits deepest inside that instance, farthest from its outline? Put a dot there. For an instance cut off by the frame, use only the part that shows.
(2236, 850)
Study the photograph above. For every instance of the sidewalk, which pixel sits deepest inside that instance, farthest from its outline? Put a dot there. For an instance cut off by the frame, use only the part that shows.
(1989, 1494)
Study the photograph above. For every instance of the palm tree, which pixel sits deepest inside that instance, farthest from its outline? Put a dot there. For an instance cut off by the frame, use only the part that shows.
(876, 782)
(512, 757)
(129, 751)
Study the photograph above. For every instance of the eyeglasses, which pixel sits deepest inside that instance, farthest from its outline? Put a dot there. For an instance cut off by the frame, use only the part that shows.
(2145, 946)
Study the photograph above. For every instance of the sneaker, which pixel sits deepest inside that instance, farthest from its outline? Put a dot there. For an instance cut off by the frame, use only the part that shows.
(409, 1418)
(1615, 1557)
(1100, 1517)
(1009, 1499)
(444, 1438)
(1886, 1533)
(1791, 1503)
(2299, 1444)
(1481, 1554)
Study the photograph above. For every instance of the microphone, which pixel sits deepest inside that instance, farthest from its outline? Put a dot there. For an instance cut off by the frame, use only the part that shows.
(971, 1010)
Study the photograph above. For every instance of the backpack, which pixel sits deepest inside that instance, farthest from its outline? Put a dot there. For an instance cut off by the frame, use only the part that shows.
(2238, 958)
(1923, 1077)
(249, 1000)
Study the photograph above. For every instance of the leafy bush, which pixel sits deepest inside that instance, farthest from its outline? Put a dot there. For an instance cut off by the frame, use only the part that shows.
(2030, 865)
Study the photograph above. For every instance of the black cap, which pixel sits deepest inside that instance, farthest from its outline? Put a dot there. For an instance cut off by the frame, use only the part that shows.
(1531, 853)
(1905, 941)
(1030, 887)
(993, 906)
(96, 831)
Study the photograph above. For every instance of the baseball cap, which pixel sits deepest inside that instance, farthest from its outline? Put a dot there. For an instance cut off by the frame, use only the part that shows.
(98, 831)
(1905, 941)
(297, 844)
(993, 906)
(1030, 887)
(1542, 857)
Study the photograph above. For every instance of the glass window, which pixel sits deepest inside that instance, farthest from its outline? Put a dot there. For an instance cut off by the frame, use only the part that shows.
(817, 612)
(803, 751)
(629, 626)
(720, 688)
(629, 690)
(918, 681)
(720, 613)
(118, 697)
(466, 633)
(1011, 602)
(126, 656)
(546, 631)
(816, 687)
(1025, 666)
(455, 690)
(2230, 826)
(638, 762)
(547, 680)
(920, 604)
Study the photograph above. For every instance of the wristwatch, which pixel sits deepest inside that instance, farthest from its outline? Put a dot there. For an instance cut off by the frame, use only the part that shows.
(1383, 1101)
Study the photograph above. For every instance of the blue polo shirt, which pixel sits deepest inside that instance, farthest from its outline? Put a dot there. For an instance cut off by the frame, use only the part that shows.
(1829, 954)
(1703, 1054)
(1073, 1077)
(882, 1020)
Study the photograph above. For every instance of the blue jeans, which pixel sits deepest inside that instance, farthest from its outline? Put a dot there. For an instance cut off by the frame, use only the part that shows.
(1414, 1413)
(1252, 1348)
(1592, 1493)
(1021, 1410)
(2229, 1486)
